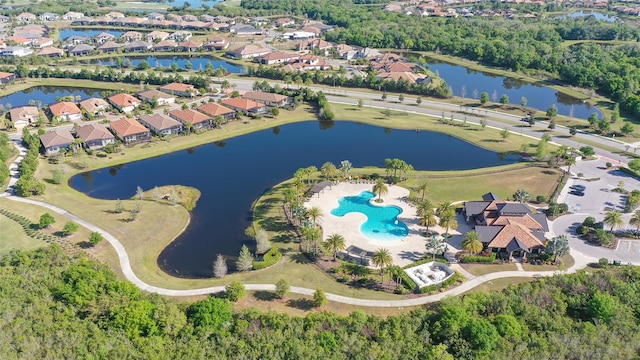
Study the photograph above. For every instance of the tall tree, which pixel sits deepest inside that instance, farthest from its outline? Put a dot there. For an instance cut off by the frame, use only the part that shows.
(220, 267)
(345, 167)
(428, 219)
(613, 218)
(328, 170)
(635, 220)
(334, 244)
(422, 188)
(423, 206)
(380, 188)
(314, 214)
(382, 259)
(245, 259)
(472, 243)
(558, 246)
(448, 220)
(521, 196)
(434, 246)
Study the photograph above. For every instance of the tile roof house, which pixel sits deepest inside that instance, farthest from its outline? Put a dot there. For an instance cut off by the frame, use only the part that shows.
(16, 51)
(278, 57)
(131, 36)
(56, 140)
(161, 125)
(109, 46)
(157, 35)
(130, 131)
(26, 18)
(65, 111)
(6, 77)
(212, 109)
(217, 44)
(184, 90)
(137, 46)
(104, 37)
(24, 115)
(165, 45)
(247, 51)
(94, 106)
(81, 49)
(507, 226)
(162, 98)
(245, 106)
(196, 119)
(71, 15)
(190, 45)
(42, 42)
(95, 136)
(269, 99)
(124, 102)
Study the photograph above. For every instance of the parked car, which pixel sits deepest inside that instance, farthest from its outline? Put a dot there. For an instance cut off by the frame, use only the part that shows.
(576, 193)
(577, 187)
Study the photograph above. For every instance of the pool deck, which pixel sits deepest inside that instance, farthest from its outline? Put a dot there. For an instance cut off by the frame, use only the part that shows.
(404, 251)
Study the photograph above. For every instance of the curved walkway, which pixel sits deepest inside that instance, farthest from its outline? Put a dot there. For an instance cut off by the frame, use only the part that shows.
(125, 265)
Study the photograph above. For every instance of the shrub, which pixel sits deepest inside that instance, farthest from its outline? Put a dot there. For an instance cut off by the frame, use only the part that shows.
(269, 258)
(282, 288)
(69, 228)
(445, 284)
(235, 291)
(608, 164)
(540, 199)
(589, 221)
(603, 262)
(479, 258)
(95, 238)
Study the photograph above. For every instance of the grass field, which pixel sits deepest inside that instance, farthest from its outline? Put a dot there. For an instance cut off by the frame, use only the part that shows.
(28, 83)
(12, 236)
(483, 269)
(566, 262)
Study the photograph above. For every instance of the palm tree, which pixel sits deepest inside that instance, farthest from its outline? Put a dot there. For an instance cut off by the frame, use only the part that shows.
(613, 218)
(472, 243)
(380, 188)
(395, 272)
(328, 170)
(382, 259)
(423, 207)
(444, 208)
(521, 196)
(314, 214)
(335, 243)
(635, 220)
(448, 220)
(428, 218)
(570, 160)
(422, 188)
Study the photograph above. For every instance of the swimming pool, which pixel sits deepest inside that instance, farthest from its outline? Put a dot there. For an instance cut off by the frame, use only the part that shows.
(382, 221)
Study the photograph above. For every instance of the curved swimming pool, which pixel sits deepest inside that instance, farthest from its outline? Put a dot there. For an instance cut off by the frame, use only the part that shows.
(382, 221)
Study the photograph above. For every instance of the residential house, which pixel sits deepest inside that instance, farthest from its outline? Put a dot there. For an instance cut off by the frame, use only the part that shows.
(137, 46)
(278, 57)
(190, 45)
(179, 89)
(161, 125)
(48, 16)
(94, 106)
(165, 45)
(71, 15)
(284, 22)
(103, 37)
(213, 109)
(16, 51)
(507, 227)
(131, 36)
(56, 140)
(51, 52)
(124, 102)
(299, 35)
(42, 42)
(242, 29)
(269, 99)
(109, 46)
(155, 16)
(162, 98)
(247, 51)
(24, 115)
(180, 36)
(95, 136)
(217, 44)
(19, 40)
(195, 119)
(81, 49)
(130, 131)
(6, 77)
(157, 35)
(316, 44)
(26, 18)
(189, 17)
(245, 106)
(75, 40)
(115, 15)
(258, 21)
(65, 111)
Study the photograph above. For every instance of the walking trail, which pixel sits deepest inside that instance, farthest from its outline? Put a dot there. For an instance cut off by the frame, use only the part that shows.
(580, 262)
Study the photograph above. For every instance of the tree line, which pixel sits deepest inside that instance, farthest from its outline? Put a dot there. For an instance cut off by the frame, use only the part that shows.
(583, 315)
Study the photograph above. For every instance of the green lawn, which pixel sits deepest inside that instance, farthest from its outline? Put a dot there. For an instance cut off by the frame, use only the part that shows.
(12, 236)
(483, 269)
(566, 262)
(499, 284)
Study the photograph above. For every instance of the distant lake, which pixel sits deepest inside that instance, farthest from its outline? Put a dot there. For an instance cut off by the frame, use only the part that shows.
(231, 174)
(197, 62)
(584, 13)
(66, 33)
(470, 83)
(47, 95)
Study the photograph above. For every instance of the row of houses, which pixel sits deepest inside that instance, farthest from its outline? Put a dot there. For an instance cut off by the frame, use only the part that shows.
(131, 131)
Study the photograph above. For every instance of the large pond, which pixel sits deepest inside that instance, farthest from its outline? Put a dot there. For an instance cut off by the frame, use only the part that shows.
(233, 173)
(197, 62)
(470, 84)
(66, 33)
(585, 13)
(46, 95)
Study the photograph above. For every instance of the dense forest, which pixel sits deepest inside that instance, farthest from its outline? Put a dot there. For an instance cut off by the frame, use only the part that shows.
(522, 45)
(55, 307)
